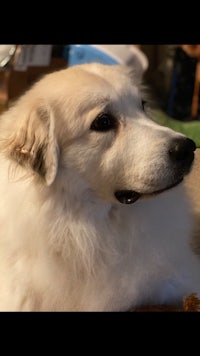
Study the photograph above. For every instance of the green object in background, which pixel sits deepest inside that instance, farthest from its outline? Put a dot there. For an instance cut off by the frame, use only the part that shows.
(189, 128)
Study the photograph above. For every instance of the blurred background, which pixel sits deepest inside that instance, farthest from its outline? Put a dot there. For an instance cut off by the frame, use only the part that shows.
(172, 73)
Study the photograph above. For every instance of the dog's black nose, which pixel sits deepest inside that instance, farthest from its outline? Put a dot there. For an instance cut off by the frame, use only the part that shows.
(181, 152)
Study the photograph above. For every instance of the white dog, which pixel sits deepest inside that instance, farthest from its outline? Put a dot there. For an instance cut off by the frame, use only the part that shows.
(85, 221)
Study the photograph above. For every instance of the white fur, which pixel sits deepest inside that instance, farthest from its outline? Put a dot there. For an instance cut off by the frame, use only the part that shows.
(66, 243)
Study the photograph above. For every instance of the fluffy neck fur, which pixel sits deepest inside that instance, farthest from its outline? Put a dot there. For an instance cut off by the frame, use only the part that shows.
(97, 245)
(77, 210)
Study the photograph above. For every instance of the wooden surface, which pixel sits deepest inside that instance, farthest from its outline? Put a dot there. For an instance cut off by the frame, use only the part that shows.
(192, 183)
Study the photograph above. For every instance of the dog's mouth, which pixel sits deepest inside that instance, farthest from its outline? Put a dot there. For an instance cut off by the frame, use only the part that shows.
(131, 196)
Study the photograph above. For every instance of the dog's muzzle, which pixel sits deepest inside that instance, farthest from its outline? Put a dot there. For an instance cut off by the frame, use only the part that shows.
(181, 156)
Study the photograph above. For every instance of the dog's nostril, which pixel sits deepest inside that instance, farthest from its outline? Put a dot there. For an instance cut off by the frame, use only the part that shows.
(182, 151)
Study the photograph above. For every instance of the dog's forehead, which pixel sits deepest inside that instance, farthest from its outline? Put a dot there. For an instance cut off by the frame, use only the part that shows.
(117, 75)
(106, 82)
(87, 85)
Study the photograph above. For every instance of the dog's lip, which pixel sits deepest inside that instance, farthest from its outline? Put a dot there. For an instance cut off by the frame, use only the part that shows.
(167, 188)
(131, 196)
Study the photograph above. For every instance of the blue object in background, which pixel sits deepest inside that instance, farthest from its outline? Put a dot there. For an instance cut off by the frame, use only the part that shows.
(78, 54)
(65, 53)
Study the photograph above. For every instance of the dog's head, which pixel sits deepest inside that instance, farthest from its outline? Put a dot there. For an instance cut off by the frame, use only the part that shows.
(92, 119)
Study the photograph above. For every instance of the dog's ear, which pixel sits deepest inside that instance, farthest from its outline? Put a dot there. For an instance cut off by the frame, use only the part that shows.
(34, 145)
(133, 73)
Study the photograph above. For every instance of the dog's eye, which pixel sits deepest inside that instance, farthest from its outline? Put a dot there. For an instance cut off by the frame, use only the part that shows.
(104, 122)
(143, 102)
